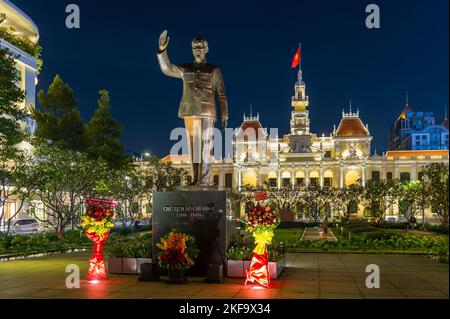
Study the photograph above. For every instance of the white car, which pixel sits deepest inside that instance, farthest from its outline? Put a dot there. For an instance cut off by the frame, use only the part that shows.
(22, 226)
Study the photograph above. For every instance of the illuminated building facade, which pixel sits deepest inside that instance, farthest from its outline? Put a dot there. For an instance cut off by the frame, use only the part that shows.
(303, 159)
(27, 67)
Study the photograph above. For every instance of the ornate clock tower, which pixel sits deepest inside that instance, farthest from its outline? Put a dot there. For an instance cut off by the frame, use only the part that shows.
(300, 137)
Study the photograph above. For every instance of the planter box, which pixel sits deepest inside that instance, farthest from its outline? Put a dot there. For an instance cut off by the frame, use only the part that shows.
(246, 265)
(275, 268)
(141, 261)
(129, 266)
(237, 268)
(115, 265)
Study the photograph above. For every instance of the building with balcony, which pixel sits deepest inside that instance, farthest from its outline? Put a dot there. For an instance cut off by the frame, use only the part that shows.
(301, 159)
(18, 24)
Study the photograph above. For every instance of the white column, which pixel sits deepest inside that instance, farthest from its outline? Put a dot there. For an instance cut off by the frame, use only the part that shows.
(221, 176)
(279, 178)
(341, 175)
(363, 174)
(307, 175)
(239, 178)
(321, 175)
(414, 171)
(293, 179)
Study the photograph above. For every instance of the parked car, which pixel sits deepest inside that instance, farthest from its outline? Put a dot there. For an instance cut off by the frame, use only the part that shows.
(139, 224)
(22, 226)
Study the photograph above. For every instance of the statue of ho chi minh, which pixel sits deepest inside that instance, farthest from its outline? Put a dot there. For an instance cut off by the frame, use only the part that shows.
(202, 86)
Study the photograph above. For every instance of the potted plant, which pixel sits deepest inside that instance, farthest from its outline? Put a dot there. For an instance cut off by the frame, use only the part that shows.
(178, 251)
(114, 251)
(235, 261)
(143, 250)
(126, 254)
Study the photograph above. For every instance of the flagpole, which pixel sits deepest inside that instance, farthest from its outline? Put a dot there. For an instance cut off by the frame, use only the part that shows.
(300, 48)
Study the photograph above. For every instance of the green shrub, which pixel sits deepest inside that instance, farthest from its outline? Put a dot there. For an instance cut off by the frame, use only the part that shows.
(139, 246)
(441, 229)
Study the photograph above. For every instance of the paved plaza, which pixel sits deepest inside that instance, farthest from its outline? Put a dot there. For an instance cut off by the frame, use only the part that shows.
(307, 276)
(314, 234)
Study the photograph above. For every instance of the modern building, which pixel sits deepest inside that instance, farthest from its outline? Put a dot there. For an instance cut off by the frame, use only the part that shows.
(302, 158)
(21, 25)
(418, 131)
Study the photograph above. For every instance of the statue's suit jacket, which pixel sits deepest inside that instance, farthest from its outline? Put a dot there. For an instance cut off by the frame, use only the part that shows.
(202, 85)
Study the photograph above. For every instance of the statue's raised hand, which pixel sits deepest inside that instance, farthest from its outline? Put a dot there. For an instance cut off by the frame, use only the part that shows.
(163, 41)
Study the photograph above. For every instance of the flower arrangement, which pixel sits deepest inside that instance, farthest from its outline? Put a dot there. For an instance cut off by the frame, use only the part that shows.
(178, 250)
(98, 220)
(260, 222)
(97, 224)
(262, 218)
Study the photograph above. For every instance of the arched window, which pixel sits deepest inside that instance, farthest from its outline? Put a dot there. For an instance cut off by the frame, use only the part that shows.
(405, 177)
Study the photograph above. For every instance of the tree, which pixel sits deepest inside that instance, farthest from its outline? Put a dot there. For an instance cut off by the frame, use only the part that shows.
(378, 196)
(159, 176)
(59, 120)
(103, 134)
(61, 178)
(10, 113)
(315, 200)
(284, 199)
(345, 199)
(13, 184)
(436, 185)
(410, 198)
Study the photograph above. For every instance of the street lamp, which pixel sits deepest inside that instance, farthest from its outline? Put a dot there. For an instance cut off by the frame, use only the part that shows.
(424, 183)
(127, 178)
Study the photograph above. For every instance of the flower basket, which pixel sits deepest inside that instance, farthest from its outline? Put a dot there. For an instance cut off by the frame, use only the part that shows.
(178, 251)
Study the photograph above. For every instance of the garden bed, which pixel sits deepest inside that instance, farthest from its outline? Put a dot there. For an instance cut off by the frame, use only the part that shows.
(126, 253)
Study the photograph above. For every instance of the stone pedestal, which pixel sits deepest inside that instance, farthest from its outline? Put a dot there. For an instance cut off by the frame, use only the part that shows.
(200, 213)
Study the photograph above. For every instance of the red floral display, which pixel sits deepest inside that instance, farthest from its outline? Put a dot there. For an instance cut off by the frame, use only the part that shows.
(97, 224)
(262, 217)
(260, 222)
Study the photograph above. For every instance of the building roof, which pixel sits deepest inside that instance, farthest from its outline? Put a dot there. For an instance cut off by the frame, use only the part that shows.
(351, 126)
(176, 159)
(409, 153)
(251, 127)
(19, 21)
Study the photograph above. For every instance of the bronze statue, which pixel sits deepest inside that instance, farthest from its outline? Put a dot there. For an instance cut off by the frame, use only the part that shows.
(202, 86)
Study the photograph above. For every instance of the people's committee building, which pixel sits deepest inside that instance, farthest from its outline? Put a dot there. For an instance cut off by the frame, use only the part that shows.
(301, 158)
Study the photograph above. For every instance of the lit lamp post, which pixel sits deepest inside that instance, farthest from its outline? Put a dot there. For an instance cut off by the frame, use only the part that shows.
(127, 178)
(424, 183)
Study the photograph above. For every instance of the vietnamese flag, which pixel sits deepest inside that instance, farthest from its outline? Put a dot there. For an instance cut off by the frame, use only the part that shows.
(296, 60)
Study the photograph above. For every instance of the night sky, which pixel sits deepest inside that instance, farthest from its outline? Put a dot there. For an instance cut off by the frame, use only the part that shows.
(253, 43)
